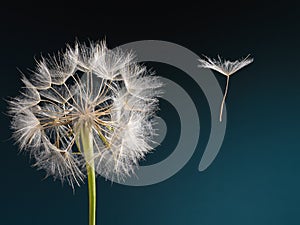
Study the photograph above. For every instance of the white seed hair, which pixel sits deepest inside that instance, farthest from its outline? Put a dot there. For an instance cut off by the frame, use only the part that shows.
(93, 85)
(226, 68)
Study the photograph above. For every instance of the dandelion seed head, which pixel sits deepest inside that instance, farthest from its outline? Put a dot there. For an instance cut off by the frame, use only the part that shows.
(88, 85)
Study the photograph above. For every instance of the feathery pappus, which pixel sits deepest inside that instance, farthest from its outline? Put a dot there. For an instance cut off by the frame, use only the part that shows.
(87, 87)
(225, 67)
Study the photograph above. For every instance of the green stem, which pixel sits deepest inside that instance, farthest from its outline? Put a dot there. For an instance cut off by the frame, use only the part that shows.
(87, 145)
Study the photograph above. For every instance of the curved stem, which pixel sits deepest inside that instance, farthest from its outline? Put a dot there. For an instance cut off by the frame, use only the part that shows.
(87, 145)
(224, 97)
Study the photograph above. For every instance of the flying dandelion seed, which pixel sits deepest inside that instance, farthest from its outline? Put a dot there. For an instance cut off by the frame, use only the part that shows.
(226, 68)
(87, 111)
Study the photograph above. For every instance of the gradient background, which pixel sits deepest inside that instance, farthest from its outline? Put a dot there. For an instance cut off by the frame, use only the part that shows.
(255, 178)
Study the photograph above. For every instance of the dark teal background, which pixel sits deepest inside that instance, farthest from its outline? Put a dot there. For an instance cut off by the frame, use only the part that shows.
(255, 179)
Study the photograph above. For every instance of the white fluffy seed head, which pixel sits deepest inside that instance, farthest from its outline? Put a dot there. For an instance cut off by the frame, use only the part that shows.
(87, 84)
(224, 67)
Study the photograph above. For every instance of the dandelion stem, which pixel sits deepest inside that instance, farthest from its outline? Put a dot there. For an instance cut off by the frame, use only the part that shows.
(87, 145)
(92, 195)
(224, 97)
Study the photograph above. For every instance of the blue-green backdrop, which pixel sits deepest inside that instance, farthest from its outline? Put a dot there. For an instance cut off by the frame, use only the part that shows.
(255, 178)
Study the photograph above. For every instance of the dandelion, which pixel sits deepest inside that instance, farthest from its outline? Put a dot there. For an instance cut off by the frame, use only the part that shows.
(86, 111)
(226, 68)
